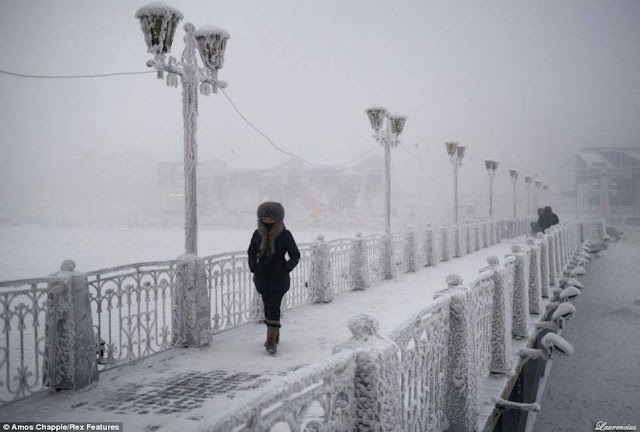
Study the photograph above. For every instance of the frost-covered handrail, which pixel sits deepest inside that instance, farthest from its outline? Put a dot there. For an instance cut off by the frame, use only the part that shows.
(317, 397)
(24, 307)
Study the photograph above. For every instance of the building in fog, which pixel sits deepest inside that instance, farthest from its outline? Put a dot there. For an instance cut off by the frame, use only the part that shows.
(307, 191)
(582, 174)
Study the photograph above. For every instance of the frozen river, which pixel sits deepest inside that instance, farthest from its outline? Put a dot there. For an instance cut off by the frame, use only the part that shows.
(33, 251)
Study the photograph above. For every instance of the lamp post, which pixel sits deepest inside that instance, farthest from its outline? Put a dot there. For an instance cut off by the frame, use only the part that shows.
(387, 128)
(536, 194)
(456, 154)
(159, 22)
(514, 180)
(491, 166)
(528, 180)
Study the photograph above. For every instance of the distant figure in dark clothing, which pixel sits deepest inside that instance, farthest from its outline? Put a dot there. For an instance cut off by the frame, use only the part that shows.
(270, 268)
(547, 219)
(535, 226)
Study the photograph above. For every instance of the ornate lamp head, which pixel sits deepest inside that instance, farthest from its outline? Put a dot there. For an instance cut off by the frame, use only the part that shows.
(514, 174)
(538, 183)
(376, 117)
(528, 179)
(212, 42)
(158, 22)
(545, 186)
(451, 148)
(494, 165)
(397, 123)
(460, 150)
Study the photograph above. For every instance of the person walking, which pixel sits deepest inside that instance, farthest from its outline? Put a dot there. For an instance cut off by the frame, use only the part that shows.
(269, 266)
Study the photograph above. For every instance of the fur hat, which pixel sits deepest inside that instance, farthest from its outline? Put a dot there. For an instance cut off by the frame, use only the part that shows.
(272, 210)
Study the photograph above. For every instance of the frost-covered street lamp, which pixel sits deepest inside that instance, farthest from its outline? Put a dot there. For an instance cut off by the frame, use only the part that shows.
(528, 180)
(514, 180)
(456, 154)
(159, 23)
(387, 128)
(491, 166)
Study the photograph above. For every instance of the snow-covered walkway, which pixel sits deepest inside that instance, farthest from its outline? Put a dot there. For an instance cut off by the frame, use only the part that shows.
(176, 389)
(601, 381)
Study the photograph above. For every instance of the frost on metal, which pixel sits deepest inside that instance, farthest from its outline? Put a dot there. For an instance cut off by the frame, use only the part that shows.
(359, 264)
(500, 319)
(457, 241)
(429, 247)
(535, 289)
(478, 243)
(445, 244)
(467, 236)
(377, 377)
(520, 293)
(320, 282)
(69, 350)
(553, 275)
(544, 265)
(387, 258)
(191, 313)
(411, 252)
(461, 406)
(423, 341)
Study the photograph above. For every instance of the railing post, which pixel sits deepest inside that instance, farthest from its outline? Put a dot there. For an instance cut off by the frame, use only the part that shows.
(70, 360)
(378, 399)
(410, 251)
(387, 258)
(457, 241)
(535, 291)
(477, 232)
(500, 322)
(467, 231)
(520, 305)
(191, 317)
(445, 243)
(359, 264)
(462, 404)
(429, 247)
(320, 282)
(498, 232)
(553, 276)
(544, 264)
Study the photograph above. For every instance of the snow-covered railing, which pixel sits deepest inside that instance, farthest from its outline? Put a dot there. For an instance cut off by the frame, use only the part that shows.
(443, 352)
(132, 309)
(24, 308)
(319, 397)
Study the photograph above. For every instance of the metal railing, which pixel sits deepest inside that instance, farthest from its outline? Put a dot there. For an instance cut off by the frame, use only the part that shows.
(26, 308)
(132, 307)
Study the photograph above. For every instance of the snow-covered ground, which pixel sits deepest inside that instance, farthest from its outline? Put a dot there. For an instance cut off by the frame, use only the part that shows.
(34, 251)
(601, 381)
(235, 366)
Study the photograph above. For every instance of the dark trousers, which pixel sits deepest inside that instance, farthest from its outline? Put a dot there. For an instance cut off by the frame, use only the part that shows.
(272, 303)
(272, 289)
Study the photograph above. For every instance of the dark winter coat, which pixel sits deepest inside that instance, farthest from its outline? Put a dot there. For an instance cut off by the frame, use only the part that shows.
(272, 272)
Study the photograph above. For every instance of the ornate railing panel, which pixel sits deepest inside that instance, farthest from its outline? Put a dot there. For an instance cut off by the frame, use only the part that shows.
(482, 295)
(24, 307)
(423, 341)
(299, 293)
(231, 291)
(398, 241)
(317, 398)
(374, 256)
(340, 255)
(132, 309)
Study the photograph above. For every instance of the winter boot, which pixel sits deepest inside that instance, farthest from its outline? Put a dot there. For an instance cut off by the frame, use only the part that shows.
(272, 336)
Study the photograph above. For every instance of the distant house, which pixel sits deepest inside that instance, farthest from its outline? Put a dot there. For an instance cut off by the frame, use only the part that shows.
(224, 187)
(584, 171)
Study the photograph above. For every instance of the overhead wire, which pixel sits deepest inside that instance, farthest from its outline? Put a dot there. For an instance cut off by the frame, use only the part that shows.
(233, 105)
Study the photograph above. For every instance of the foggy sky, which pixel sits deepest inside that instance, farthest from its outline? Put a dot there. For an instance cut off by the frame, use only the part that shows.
(525, 82)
